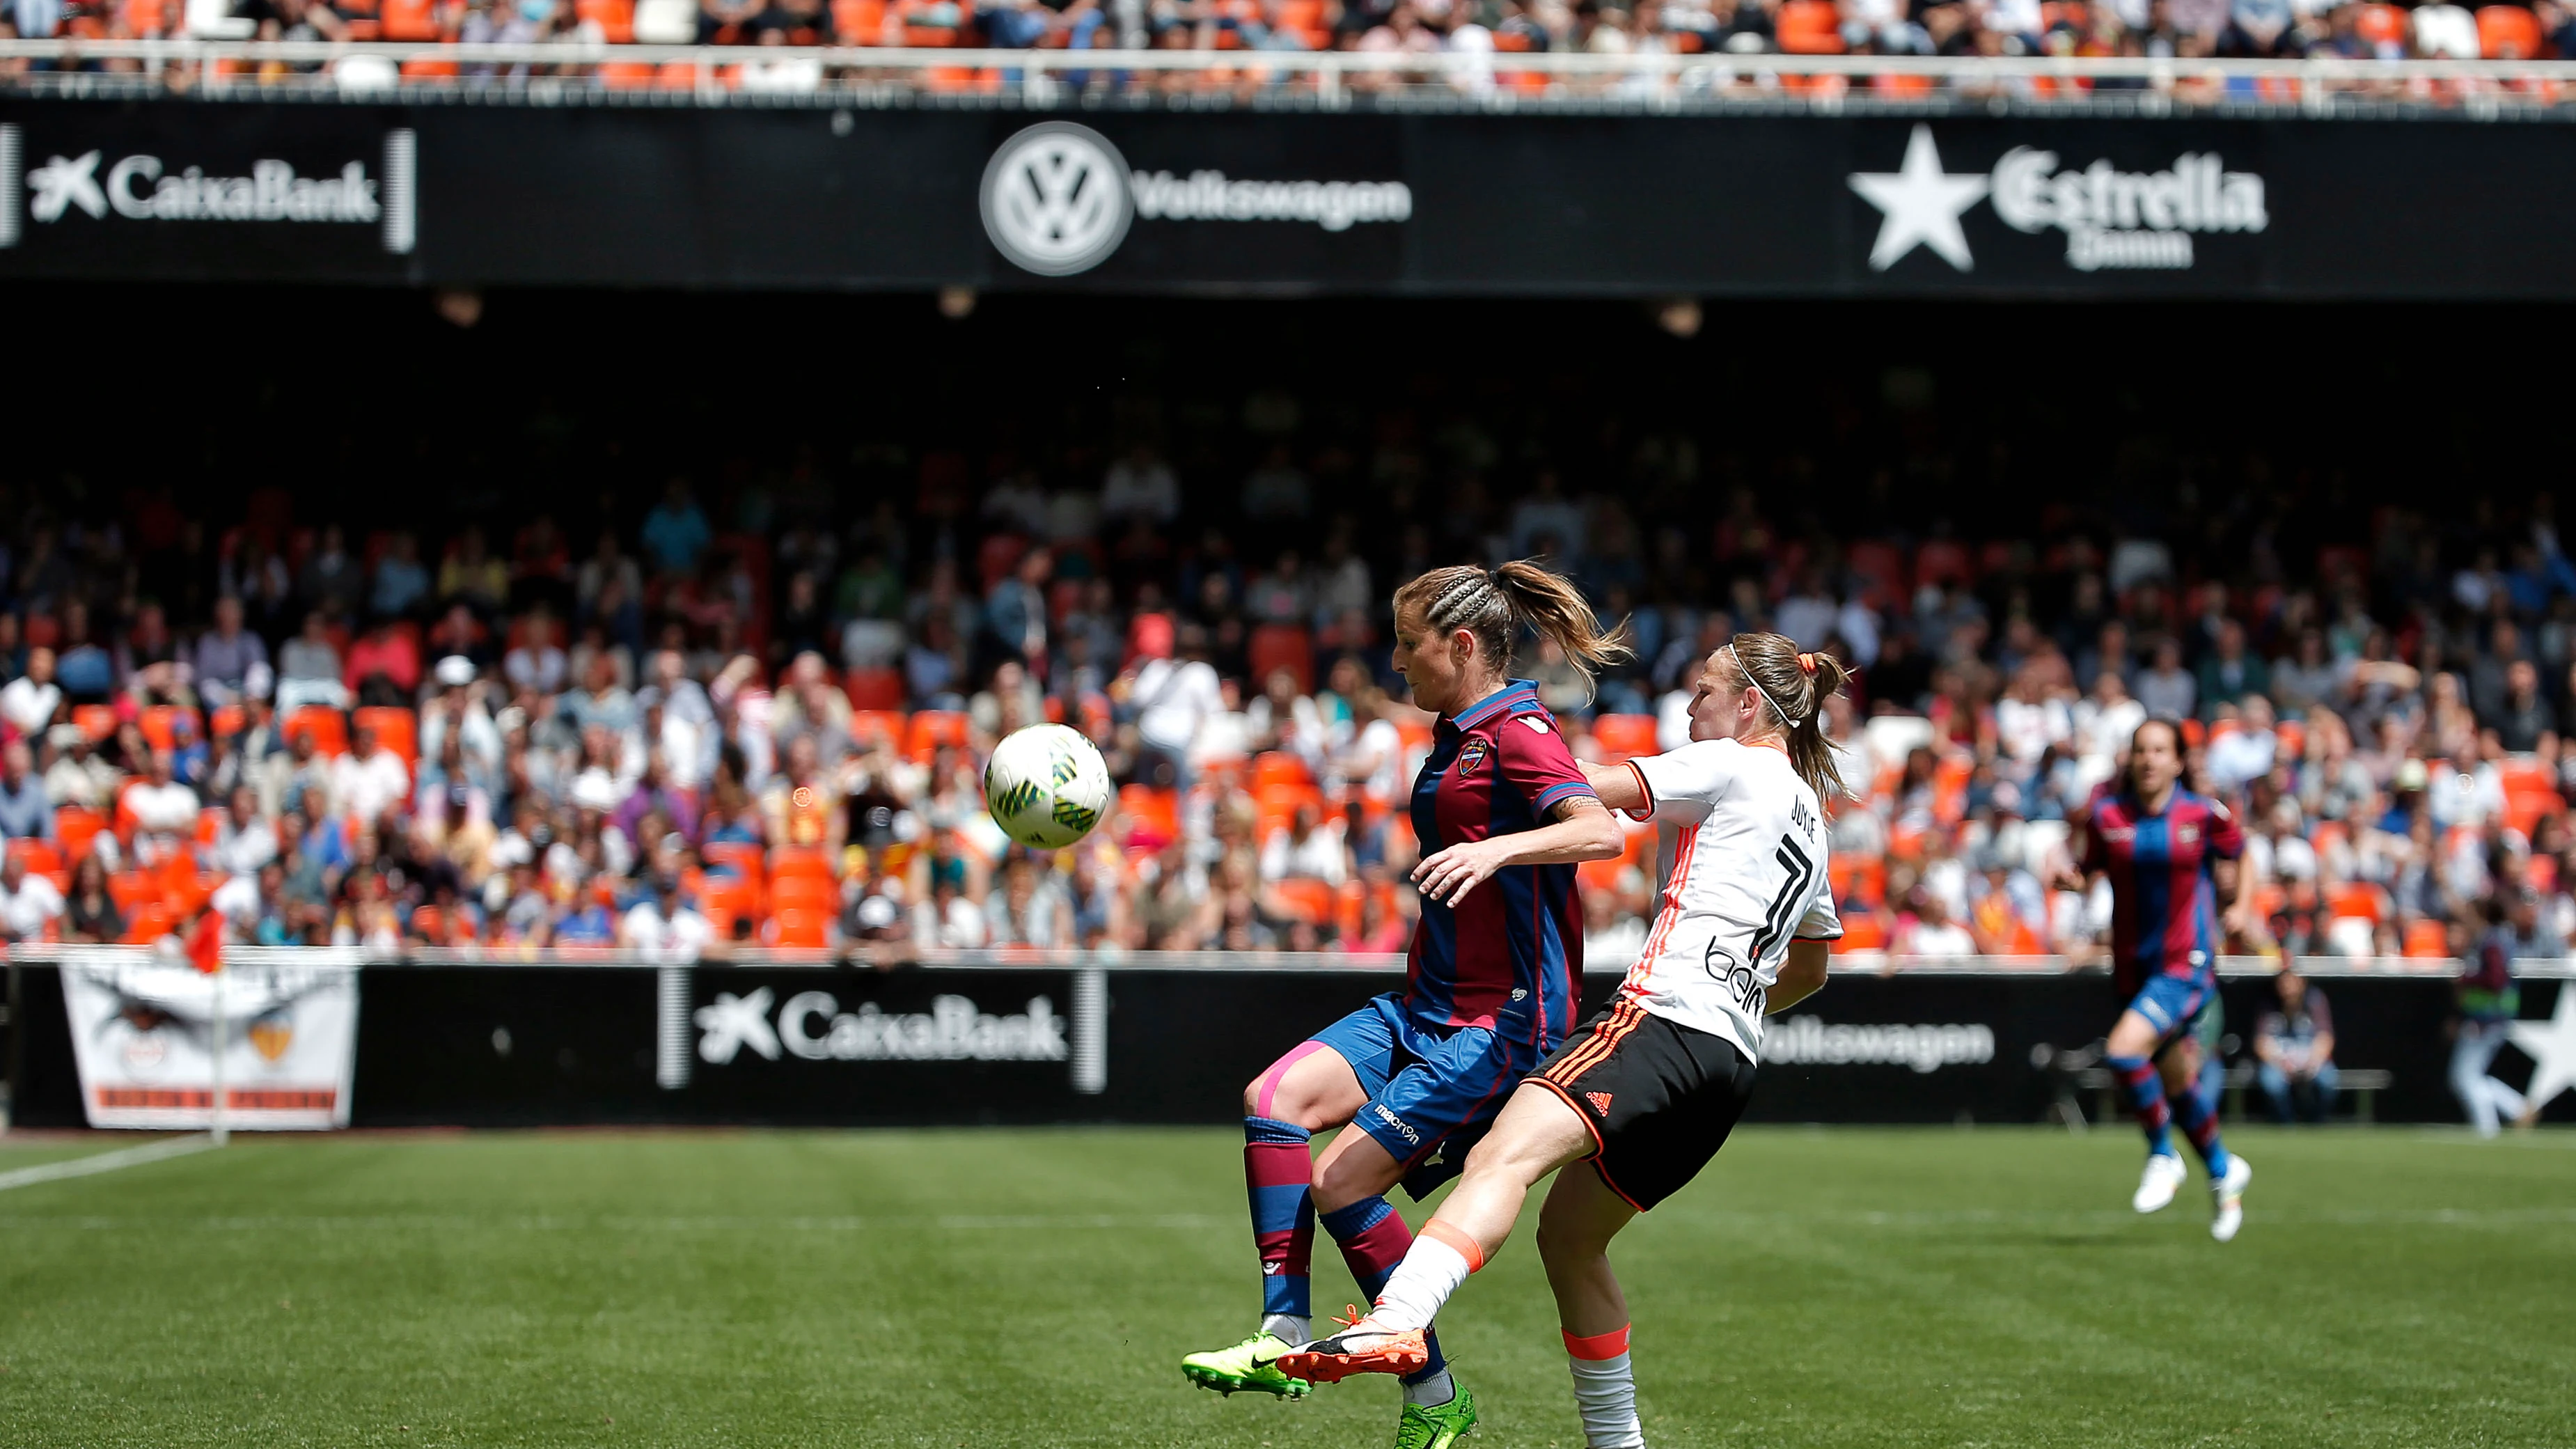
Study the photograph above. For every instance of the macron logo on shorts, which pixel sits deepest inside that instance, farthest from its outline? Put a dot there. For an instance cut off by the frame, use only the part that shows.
(1398, 1123)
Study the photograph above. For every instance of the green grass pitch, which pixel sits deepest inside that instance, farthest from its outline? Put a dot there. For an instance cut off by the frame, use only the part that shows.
(987, 1288)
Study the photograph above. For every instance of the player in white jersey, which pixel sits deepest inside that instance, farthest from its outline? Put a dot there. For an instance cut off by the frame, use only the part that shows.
(1648, 1090)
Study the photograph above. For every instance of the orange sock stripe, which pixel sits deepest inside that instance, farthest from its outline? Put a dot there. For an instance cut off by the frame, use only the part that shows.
(1598, 1346)
(1468, 1248)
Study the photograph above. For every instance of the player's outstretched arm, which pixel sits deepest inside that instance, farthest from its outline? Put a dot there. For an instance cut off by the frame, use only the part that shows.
(1801, 976)
(1617, 785)
(1582, 831)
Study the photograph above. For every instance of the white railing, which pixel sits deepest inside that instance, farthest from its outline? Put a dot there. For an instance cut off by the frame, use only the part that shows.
(890, 956)
(565, 71)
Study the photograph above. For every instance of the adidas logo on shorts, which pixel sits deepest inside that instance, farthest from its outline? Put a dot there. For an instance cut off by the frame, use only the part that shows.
(1600, 1101)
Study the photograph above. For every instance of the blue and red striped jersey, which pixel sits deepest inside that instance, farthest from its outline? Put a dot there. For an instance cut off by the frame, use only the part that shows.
(1510, 957)
(2164, 915)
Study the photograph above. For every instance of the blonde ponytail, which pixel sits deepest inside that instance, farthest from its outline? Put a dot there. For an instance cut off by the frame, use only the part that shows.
(1493, 605)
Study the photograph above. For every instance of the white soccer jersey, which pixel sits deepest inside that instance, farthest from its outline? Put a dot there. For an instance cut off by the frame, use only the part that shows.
(1747, 875)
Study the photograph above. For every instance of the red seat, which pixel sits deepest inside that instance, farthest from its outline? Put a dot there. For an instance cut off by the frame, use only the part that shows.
(876, 690)
(1283, 646)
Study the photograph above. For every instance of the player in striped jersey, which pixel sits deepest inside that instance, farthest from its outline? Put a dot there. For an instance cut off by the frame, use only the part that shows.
(1504, 814)
(2170, 857)
(1648, 1091)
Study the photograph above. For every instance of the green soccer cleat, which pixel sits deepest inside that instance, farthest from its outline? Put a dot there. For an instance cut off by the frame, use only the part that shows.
(1436, 1427)
(1247, 1367)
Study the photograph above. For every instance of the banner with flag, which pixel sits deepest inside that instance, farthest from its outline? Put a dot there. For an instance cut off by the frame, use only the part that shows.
(143, 1035)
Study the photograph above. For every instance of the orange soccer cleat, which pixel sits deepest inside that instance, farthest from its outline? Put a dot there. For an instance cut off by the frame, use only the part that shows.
(1362, 1347)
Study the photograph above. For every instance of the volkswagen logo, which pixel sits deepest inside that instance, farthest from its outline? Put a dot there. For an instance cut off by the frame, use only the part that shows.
(1055, 199)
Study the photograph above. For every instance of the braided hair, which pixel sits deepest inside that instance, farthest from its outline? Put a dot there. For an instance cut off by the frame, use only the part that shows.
(1495, 604)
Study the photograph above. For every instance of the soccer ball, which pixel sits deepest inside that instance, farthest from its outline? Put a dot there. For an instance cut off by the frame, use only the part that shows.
(1046, 786)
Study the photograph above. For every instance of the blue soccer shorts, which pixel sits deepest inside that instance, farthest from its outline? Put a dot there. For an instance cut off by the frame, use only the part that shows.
(1432, 1090)
(2173, 1005)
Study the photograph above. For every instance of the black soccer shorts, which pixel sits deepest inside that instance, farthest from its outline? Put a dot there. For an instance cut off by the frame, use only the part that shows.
(1659, 1098)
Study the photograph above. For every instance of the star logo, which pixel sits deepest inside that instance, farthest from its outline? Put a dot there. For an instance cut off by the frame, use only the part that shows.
(60, 183)
(733, 1023)
(2551, 1045)
(1919, 205)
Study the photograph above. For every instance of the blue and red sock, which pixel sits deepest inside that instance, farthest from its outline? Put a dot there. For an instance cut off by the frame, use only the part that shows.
(1373, 1239)
(1280, 1175)
(2146, 1093)
(2196, 1108)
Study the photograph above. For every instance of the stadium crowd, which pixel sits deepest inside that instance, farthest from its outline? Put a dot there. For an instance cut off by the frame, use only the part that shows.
(755, 723)
(2184, 29)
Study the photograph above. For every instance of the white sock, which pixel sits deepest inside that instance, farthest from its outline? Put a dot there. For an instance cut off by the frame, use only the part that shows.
(1605, 1395)
(1430, 1272)
(1432, 1392)
(1293, 1329)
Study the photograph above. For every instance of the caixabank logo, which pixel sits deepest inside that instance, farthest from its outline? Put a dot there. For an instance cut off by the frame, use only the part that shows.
(2113, 220)
(146, 187)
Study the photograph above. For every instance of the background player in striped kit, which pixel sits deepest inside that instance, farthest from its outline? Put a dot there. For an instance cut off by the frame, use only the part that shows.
(1490, 988)
(1648, 1091)
(2170, 856)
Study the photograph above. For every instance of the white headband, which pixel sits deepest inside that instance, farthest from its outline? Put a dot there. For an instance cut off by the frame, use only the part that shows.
(1749, 683)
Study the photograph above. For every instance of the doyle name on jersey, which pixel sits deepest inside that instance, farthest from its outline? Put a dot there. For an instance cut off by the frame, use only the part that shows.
(1747, 877)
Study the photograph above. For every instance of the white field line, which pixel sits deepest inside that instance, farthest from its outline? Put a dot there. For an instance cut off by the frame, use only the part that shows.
(105, 1162)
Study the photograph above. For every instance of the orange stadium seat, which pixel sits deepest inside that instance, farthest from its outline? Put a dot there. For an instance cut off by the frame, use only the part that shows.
(742, 857)
(932, 728)
(2508, 32)
(1277, 767)
(789, 861)
(1623, 736)
(147, 923)
(800, 930)
(97, 721)
(329, 730)
(74, 828)
(1305, 900)
(1810, 27)
(1152, 812)
(397, 729)
(804, 893)
(2427, 939)
(38, 856)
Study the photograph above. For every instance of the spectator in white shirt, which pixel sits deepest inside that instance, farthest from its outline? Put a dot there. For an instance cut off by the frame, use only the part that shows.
(32, 699)
(1306, 849)
(2247, 751)
(664, 927)
(27, 902)
(369, 779)
(1174, 699)
(245, 840)
(165, 811)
